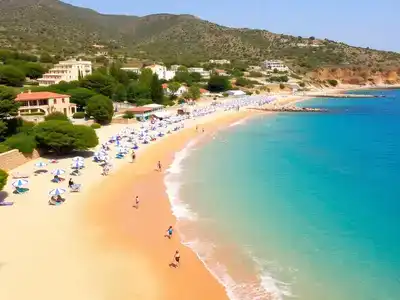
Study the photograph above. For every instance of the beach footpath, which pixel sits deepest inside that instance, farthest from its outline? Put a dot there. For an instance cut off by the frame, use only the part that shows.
(97, 245)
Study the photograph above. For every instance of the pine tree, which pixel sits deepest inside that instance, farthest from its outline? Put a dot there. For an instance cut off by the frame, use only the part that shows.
(157, 93)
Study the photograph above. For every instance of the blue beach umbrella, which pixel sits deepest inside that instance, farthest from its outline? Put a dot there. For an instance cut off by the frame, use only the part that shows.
(58, 172)
(40, 164)
(78, 158)
(57, 192)
(20, 182)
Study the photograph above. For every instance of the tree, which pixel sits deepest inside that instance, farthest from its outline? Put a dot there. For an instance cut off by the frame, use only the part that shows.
(194, 92)
(8, 105)
(218, 84)
(100, 83)
(146, 77)
(244, 82)
(80, 96)
(3, 179)
(46, 58)
(11, 76)
(56, 116)
(64, 86)
(195, 77)
(100, 108)
(183, 76)
(34, 70)
(137, 90)
(333, 82)
(120, 94)
(63, 137)
(281, 86)
(119, 75)
(174, 87)
(157, 93)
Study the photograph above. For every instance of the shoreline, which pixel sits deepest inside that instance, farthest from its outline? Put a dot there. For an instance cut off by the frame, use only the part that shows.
(196, 280)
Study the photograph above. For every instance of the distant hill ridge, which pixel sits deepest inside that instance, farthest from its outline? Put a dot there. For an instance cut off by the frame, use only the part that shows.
(57, 27)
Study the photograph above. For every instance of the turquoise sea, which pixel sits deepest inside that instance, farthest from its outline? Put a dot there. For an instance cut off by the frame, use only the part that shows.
(302, 205)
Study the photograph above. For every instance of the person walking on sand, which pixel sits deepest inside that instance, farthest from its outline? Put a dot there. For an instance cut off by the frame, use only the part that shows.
(176, 261)
(137, 201)
(159, 166)
(169, 232)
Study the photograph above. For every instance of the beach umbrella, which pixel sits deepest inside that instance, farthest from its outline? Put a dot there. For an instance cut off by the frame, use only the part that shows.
(57, 192)
(40, 164)
(77, 165)
(78, 158)
(58, 172)
(20, 182)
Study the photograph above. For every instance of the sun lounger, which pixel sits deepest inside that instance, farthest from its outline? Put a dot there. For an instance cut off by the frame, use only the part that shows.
(4, 203)
(75, 188)
(60, 179)
(19, 190)
(18, 175)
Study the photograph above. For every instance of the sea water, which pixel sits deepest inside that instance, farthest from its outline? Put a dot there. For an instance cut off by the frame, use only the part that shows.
(298, 205)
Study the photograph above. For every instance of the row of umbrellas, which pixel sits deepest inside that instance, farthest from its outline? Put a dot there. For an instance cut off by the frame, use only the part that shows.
(22, 182)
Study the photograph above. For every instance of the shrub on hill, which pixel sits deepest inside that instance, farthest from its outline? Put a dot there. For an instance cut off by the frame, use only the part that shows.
(332, 82)
(3, 179)
(62, 137)
(56, 116)
(95, 126)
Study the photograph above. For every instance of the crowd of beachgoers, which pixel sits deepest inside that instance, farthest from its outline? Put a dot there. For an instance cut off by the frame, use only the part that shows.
(125, 142)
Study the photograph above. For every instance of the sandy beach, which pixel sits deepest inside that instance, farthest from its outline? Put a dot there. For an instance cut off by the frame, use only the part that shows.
(97, 245)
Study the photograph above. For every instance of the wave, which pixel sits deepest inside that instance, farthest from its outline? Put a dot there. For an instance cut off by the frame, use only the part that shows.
(240, 122)
(265, 288)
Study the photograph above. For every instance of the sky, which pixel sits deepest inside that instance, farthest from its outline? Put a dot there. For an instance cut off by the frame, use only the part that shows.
(365, 23)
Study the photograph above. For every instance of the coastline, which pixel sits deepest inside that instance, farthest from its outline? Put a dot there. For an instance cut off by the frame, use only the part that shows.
(142, 231)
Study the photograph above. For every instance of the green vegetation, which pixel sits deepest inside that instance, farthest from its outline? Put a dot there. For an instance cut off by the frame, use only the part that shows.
(95, 126)
(332, 82)
(278, 78)
(58, 28)
(56, 116)
(24, 142)
(79, 115)
(218, 84)
(63, 137)
(128, 115)
(3, 179)
(100, 108)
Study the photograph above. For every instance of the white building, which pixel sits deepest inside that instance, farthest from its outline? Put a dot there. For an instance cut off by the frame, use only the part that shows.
(162, 72)
(68, 70)
(131, 69)
(274, 64)
(182, 89)
(220, 61)
(204, 74)
(175, 67)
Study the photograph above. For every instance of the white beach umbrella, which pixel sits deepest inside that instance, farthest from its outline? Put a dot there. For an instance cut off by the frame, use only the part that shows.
(40, 164)
(78, 158)
(58, 172)
(57, 192)
(20, 182)
(77, 165)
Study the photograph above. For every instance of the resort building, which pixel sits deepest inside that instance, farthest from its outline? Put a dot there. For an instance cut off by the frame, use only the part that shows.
(68, 70)
(175, 67)
(132, 69)
(143, 113)
(220, 61)
(162, 72)
(221, 72)
(204, 74)
(182, 89)
(44, 103)
(275, 64)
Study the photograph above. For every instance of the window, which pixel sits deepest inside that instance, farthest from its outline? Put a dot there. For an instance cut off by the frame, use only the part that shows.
(55, 101)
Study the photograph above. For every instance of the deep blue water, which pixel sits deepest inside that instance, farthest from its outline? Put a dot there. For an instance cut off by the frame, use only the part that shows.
(312, 198)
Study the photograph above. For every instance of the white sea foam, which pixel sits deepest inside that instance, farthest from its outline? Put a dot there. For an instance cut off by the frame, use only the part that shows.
(173, 185)
(240, 122)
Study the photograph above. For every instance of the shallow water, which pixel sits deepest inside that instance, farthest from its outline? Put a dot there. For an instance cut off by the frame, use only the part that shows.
(300, 205)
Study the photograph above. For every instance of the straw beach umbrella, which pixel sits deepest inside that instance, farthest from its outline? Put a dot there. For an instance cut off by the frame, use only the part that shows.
(78, 158)
(40, 164)
(77, 165)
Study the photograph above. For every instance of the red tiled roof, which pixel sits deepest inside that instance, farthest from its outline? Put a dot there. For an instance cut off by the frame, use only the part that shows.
(140, 109)
(39, 96)
(203, 91)
(164, 86)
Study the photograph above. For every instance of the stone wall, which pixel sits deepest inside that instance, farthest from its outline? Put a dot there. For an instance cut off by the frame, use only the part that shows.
(13, 158)
(123, 121)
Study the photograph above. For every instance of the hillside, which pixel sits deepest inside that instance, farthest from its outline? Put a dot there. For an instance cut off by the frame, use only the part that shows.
(56, 27)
